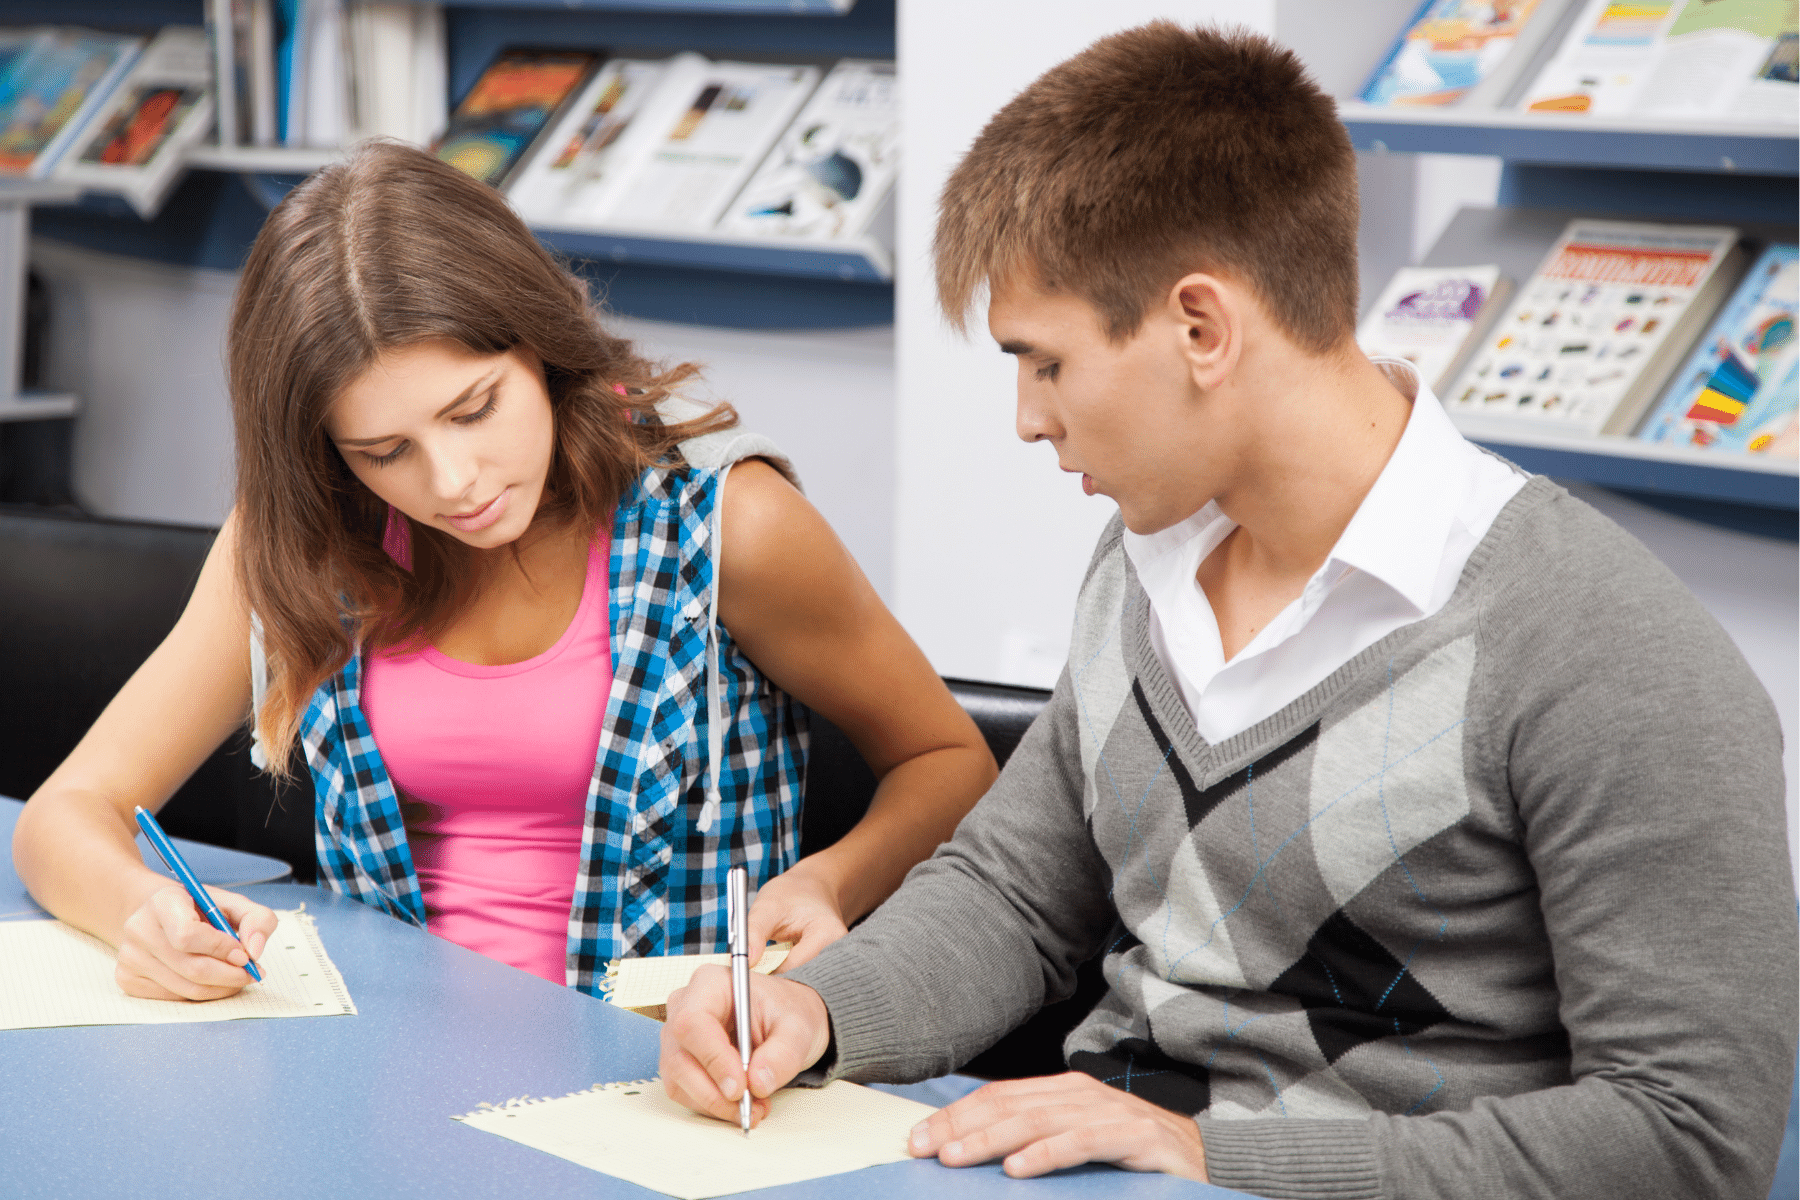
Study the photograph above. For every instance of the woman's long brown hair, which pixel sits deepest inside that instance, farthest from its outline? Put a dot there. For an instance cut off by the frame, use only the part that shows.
(393, 248)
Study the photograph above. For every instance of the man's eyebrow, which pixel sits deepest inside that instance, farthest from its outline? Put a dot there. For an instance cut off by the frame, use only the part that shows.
(466, 393)
(1017, 348)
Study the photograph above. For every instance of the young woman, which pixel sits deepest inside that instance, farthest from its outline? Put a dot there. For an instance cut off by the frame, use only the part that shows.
(544, 632)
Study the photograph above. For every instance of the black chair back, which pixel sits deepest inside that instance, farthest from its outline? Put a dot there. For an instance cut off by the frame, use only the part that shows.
(83, 602)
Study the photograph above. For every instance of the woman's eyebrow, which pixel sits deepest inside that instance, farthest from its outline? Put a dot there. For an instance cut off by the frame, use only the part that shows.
(450, 407)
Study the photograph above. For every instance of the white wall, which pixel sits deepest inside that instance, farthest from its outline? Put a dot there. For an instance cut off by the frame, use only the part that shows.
(990, 538)
(826, 397)
(142, 345)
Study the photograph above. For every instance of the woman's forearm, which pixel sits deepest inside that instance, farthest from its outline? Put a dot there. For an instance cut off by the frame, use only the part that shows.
(79, 859)
(916, 807)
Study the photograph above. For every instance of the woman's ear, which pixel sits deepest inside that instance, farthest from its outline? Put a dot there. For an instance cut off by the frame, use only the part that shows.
(1205, 310)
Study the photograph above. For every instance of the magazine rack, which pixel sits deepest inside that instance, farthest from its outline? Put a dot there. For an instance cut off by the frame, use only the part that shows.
(1557, 167)
(16, 199)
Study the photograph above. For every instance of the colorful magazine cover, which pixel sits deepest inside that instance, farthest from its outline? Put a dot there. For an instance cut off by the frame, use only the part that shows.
(135, 142)
(1590, 339)
(508, 106)
(834, 166)
(1737, 391)
(52, 90)
(142, 125)
(1431, 316)
(1447, 49)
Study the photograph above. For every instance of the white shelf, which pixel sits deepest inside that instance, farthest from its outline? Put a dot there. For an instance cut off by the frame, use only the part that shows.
(38, 406)
(270, 160)
(1471, 118)
(1503, 430)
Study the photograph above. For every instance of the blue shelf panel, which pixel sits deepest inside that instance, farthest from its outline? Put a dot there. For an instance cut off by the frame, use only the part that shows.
(807, 263)
(1659, 150)
(1655, 475)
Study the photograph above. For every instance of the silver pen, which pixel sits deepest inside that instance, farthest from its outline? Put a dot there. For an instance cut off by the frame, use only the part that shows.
(737, 925)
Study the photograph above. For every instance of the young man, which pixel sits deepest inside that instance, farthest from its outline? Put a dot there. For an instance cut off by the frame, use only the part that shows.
(1431, 831)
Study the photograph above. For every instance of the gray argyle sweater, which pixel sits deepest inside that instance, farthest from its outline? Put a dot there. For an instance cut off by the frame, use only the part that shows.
(1500, 908)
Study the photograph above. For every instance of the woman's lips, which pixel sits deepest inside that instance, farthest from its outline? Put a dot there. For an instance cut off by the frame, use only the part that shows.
(482, 517)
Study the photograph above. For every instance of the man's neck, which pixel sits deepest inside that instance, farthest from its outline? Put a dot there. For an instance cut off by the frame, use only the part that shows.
(1317, 433)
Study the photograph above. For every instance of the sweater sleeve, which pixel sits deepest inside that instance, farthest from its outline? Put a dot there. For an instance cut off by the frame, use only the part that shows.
(1643, 759)
(981, 934)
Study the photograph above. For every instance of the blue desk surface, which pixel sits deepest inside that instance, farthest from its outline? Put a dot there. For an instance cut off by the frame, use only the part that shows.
(361, 1106)
(215, 865)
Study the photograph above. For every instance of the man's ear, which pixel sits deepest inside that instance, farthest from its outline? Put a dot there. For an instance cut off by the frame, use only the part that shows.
(1206, 310)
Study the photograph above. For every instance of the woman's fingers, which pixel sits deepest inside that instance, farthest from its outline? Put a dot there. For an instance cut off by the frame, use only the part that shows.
(255, 923)
(820, 932)
(168, 982)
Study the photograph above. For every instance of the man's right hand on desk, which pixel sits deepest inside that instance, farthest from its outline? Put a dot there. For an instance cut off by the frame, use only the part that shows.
(700, 1066)
(170, 952)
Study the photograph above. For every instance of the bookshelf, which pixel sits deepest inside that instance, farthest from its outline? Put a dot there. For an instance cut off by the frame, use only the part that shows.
(704, 276)
(1556, 167)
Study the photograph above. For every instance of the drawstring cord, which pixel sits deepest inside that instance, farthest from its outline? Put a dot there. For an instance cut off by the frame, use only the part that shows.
(715, 685)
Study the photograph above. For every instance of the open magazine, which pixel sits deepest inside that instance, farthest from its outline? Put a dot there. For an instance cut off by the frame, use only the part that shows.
(726, 117)
(574, 175)
(833, 169)
(1721, 60)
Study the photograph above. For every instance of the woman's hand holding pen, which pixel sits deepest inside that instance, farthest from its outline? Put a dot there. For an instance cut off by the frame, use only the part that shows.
(169, 952)
(700, 1067)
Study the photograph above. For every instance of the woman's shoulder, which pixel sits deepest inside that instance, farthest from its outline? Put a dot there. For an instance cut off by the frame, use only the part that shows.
(722, 449)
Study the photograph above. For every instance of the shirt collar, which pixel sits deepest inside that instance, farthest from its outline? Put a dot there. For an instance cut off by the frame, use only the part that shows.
(1398, 533)
(1399, 530)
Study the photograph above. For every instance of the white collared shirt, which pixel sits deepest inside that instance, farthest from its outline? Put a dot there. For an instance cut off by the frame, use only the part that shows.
(1397, 562)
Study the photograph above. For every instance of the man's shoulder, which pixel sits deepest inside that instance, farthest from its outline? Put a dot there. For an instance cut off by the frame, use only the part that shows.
(1550, 545)
(1570, 600)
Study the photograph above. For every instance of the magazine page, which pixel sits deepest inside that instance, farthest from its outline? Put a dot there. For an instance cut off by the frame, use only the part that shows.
(728, 120)
(1736, 392)
(1428, 316)
(606, 132)
(54, 91)
(1574, 343)
(134, 146)
(1449, 48)
(1724, 60)
(509, 106)
(834, 166)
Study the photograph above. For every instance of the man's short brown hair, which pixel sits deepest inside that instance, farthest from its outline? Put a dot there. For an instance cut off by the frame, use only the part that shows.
(1153, 153)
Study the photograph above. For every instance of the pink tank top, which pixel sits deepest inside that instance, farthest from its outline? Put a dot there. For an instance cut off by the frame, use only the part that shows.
(492, 765)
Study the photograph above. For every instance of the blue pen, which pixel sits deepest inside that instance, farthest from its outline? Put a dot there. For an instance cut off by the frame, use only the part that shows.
(204, 902)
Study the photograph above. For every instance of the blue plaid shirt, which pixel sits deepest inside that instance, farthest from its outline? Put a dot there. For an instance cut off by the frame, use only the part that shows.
(652, 881)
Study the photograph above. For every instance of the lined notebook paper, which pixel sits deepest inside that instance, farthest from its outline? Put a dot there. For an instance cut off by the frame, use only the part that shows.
(634, 1132)
(53, 974)
(643, 984)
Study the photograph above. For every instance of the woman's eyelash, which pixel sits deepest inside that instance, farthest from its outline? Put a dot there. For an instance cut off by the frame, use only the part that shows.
(481, 414)
(1048, 371)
